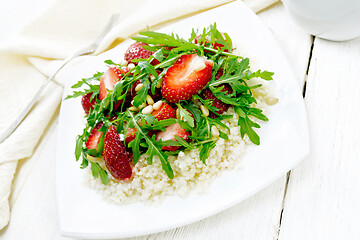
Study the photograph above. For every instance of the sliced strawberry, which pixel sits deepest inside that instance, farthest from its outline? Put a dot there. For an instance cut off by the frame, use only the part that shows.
(156, 95)
(136, 51)
(130, 135)
(108, 80)
(170, 132)
(219, 73)
(124, 70)
(207, 43)
(188, 75)
(164, 112)
(95, 137)
(117, 159)
(86, 104)
(223, 107)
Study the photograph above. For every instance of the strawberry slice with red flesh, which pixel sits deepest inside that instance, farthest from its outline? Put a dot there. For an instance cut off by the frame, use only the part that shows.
(86, 103)
(170, 132)
(130, 135)
(95, 137)
(108, 80)
(219, 73)
(223, 107)
(136, 51)
(164, 112)
(124, 70)
(117, 159)
(188, 75)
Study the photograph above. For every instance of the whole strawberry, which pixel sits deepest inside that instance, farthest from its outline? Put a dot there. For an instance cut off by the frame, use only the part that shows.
(187, 76)
(117, 159)
(136, 51)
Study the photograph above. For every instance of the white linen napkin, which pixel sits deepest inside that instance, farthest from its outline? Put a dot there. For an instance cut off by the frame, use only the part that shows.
(64, 28)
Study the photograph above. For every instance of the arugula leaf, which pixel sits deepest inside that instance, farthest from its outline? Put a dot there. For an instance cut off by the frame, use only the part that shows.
(207, 103)
(84, 163)
(185, 115)
(95, 77)
(97, 171)
(262, 74)
(143, 65)
(141, 95)
(195, 111)
(110, 62)
(135, 146)
(78, 147)
(183, 142)
(205, 150)
(246, 127)
(94, 89)
(258, 114)
(155, 38)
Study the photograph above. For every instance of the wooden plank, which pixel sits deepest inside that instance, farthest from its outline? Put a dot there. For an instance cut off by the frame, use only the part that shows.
(260, 215)
(323, 194)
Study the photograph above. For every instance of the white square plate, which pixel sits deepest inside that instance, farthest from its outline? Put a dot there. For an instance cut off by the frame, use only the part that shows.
(84, 213)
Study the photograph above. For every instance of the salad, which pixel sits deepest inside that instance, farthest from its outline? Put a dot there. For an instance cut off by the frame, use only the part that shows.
(170, 95)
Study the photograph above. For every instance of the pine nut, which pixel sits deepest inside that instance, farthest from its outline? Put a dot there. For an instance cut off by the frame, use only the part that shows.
(131, 66)
(149, 100)
(159, 83)
(200, 67)
(157, 105)
(132, 102)
(214, 132)
(93, 159)
(138, 87)
(271, 101)
(152, 78)
(204, 110)
(147, 109)
(124, 63)
(133, 108)
(143, 105)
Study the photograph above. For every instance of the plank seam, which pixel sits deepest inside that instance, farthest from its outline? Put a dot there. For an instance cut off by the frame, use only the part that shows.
(283, 203)
(308, 65)
(289, 172)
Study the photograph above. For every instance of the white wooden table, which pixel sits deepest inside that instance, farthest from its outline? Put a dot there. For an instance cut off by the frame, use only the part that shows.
(318, 199)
